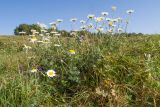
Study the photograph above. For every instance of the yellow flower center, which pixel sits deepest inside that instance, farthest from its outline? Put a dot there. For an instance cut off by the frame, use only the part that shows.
(51, 73)
(72, 51)
(110, 23)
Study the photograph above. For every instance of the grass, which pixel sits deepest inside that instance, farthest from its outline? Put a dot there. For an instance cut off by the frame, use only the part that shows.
(105, 71)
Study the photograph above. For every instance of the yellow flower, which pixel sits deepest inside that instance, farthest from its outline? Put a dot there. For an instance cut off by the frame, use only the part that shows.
(33, 39)
(34, 70)
(110, 23)
(72, 52)
(51, 73)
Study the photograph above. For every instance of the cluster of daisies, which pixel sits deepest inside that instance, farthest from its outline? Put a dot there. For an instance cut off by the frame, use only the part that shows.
(45, 38)
(105, 23)
(52, 73)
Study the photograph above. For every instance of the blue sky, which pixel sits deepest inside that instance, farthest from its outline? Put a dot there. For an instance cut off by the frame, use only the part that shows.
(146, 18)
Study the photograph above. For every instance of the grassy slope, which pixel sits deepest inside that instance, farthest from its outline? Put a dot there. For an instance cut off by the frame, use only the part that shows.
(126, 69)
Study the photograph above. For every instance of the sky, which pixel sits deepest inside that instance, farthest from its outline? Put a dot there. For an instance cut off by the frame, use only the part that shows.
(146, 18)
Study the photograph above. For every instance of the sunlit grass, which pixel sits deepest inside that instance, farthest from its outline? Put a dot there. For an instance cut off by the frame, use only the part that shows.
(118, 66)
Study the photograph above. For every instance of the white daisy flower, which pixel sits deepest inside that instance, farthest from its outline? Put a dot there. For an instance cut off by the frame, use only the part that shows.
(57, 45)
(83, 27)
(36, 32)
(43, 30)
(41, 35)
(32, 30)
(43, 26)
(73, 19)
(130, 11)
(90, 16)
(82, 22)
(115, 20)
(113, 26)
(47, 34)
(53, 32)
(57, 34)
(105, 13)
(110, 31)
(108, 19)
(119, 19)
(46, 39)
(73, 33)
(40, 41)
(59, 20)
(120, 30)
(53, 23)
(99, 19)
(51, 73)
(22, 32)
(114, 8)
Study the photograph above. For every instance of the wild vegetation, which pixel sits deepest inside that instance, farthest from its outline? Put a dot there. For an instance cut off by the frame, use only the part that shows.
(98, 66)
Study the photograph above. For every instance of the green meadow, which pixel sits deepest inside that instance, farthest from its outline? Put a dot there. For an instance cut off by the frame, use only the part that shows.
(99, 71)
